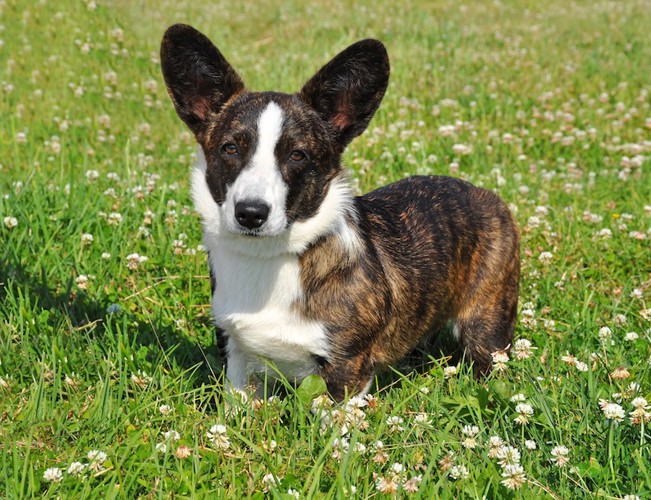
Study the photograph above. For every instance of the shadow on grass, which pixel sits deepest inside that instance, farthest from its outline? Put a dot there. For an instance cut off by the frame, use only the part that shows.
(26, 296)
(440, 350)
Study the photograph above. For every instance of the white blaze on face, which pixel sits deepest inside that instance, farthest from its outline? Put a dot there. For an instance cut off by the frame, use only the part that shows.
(261, 179)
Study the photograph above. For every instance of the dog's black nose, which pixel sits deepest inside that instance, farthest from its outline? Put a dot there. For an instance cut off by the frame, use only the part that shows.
(251, 213)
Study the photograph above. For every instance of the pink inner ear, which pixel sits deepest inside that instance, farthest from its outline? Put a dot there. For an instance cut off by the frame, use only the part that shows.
(200, 108)
(342, 118)
(341, 121)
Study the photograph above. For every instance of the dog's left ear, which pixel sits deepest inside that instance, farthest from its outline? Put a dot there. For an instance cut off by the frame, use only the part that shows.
(347, 91)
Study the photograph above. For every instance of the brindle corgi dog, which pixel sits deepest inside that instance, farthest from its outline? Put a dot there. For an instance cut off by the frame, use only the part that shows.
(304, 273)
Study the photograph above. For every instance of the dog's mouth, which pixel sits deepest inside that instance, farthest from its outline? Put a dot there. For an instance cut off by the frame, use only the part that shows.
(250, 233)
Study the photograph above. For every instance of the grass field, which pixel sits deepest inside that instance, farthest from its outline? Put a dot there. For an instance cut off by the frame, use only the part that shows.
(110, 384)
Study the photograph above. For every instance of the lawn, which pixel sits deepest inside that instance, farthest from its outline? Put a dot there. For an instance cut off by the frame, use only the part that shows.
(110, 380)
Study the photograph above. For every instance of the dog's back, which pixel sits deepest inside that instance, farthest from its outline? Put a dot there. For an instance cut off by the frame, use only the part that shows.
(436, 251)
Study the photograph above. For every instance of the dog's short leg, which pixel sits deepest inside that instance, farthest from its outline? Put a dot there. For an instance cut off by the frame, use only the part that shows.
(221, 345)
(487, 323)
(349, 377)
(236, 366)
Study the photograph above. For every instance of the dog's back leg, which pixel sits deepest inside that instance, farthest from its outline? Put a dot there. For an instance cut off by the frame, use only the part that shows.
(486, 322)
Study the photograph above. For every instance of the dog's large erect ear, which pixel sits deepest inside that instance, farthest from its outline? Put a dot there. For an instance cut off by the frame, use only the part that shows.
(198, 77)
(348, 90)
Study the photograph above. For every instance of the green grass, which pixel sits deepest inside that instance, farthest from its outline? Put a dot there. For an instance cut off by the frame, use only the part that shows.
(553, 97)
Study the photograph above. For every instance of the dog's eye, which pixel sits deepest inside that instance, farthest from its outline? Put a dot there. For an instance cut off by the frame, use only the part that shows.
(297, 156)
(229, 148)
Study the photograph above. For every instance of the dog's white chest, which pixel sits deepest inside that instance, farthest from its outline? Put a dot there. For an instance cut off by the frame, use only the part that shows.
(254, 302)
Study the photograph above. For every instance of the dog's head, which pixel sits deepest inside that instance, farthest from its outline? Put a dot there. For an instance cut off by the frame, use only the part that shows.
(272, 161)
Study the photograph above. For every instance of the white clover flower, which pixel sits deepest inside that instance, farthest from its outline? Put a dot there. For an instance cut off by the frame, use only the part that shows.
(604, 234)
(581, 366)
(359, 447)
(411, 485)
(631, 336)
(386, 485)
(165, 410)
(470, 430)
(620, 319)
(92, 175)
(605, 333)
(422, 419)
(508, 455)
(560, 455)
(523, 349)
(514, 476)
(380, 456)
(217, 436)
(141, 379)
(97, 459)
(524, 411)
(171, 435)
(545, 257)
(568, 358)
(118, 34)
(82, 281)
(76, 469)
(450, 371)
(53, 474)
(447, 130)
(530, 444)
(10, 222)
(114, 218)
(269, 446)
(134, 260)
(641, 413)
(518, 398)
(151, 86)
(87, 239)
(397, 468)
(161, 447)
(462, 149)
(612, 411)
(533, 222)
(104, 121)
(321, 402)
(459, 472)
(495, 443)
(97, 456)
(395, 424)
(500, 358)
(72, 380)
(271, 480)
(633, 388)
(356, 403)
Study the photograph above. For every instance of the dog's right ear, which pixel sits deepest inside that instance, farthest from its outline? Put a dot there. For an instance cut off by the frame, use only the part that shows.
(199, 79)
